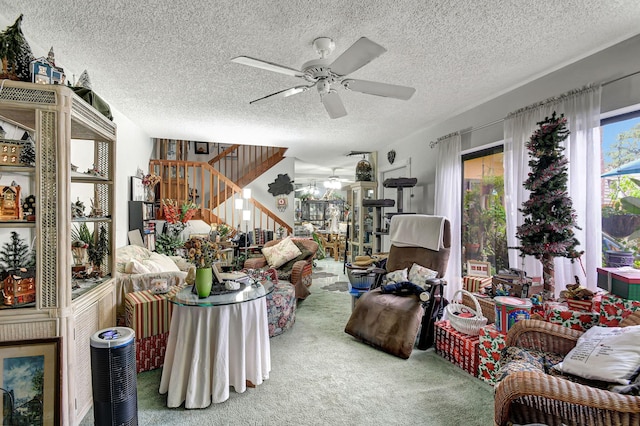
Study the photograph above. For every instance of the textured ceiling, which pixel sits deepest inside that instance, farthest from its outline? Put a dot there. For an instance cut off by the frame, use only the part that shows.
(166, 64)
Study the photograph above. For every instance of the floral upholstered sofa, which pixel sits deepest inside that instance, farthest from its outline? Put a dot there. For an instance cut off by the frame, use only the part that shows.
(137, 266)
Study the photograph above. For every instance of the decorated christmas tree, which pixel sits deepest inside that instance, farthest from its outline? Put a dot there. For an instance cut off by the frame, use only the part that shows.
(15, 53)
(547, 231)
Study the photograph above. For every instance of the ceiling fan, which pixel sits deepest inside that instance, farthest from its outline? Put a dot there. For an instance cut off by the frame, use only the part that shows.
(325, 74)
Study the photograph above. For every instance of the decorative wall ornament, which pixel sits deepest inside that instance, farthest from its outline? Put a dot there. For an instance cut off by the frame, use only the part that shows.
(282, 185)
(391, 156)
(282, 202)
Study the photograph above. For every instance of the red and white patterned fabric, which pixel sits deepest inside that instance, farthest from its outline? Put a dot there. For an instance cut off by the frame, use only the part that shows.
(491, 343)
(459, 348)
(614, 309)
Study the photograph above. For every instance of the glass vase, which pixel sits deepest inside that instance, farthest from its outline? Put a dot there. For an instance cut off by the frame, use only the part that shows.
(204, 281)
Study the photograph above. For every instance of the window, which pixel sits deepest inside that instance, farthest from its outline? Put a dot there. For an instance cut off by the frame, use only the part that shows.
(620, 191)
(483, 212)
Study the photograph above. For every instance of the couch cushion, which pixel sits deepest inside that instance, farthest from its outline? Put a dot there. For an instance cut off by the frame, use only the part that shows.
(419, 275)
(281, 253)
(399, 276)
(136, 267)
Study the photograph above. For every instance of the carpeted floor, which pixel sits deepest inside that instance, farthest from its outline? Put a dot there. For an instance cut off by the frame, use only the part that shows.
(322, 376)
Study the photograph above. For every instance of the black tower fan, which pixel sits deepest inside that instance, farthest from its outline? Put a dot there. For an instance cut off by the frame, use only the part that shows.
(113, 372)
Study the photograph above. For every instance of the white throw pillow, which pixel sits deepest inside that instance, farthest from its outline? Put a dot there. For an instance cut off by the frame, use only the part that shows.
(419, 275)
(164, 262)
(401, 275)
(279, 254)
(610, 354)
(136, 267)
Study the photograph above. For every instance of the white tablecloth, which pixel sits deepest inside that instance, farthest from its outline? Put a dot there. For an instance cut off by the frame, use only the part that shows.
(212, 348)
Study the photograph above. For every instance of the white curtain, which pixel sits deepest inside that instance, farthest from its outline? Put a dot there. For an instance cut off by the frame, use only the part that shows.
(582, 149)
(448, 203)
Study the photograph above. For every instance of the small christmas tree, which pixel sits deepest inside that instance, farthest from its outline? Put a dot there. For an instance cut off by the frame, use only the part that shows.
(16, 254)
(547, 231)
(100, 249)
(28, 152)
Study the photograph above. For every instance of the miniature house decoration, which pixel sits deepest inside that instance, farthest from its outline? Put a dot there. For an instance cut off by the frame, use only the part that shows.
(10, 202)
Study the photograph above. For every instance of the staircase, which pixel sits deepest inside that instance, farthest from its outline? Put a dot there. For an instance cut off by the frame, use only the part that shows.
(214, 186)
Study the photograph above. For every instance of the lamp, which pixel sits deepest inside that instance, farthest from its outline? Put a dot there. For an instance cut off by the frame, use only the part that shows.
(243, 204)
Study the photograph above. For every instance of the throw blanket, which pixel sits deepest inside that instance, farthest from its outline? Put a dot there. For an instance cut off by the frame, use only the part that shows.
(417, 230)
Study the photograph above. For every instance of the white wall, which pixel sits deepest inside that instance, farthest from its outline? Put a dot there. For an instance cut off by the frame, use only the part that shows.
(260, 188)
(133, 151)
(613, 63)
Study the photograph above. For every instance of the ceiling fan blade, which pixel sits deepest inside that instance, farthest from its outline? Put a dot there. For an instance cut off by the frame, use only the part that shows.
(283, 93)
(379, 89)
(333, 105)
(269, 66)
(355, 57)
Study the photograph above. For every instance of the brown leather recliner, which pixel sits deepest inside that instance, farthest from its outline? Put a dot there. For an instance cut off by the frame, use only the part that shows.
(391, 322)
(299, 274)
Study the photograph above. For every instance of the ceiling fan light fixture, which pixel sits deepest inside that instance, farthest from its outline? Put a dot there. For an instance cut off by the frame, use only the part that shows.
(333, 182)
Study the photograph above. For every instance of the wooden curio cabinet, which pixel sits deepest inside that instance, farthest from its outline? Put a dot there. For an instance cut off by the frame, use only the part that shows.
(66, 304)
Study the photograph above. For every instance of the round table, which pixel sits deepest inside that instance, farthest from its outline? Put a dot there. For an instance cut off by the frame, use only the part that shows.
(214, 343)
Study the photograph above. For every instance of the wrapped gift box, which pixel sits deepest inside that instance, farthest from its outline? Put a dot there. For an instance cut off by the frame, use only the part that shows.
(580, 305)
(623, 282)
(475, 284)
(560, 313)
(150, 352)
(149, 315)
(614, 309)
(491, 343)
(459, 348)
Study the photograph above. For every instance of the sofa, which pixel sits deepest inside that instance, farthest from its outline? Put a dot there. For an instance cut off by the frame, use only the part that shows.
(296, 269)
(137, 266)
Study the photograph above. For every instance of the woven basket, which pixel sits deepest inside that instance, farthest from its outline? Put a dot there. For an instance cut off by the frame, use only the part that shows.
(471, 325)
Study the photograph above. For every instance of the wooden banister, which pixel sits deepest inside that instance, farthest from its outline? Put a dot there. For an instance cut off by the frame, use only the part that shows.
(213, 193)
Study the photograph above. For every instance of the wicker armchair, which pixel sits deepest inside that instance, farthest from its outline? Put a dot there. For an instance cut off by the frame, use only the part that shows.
(534, 397)
(299, 275)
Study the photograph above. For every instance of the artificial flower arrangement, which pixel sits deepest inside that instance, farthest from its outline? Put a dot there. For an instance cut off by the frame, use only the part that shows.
(178, 214)
(150, 180)
(201, 252)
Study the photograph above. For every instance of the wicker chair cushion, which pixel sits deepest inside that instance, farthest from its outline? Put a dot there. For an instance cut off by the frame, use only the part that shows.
(515, 359)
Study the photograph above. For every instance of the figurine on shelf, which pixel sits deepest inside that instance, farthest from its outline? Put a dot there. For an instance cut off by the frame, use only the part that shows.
(95, 171)
(96, 211)
(29, 208)
(77, 209)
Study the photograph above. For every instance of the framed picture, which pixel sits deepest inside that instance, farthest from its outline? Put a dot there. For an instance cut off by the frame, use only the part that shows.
(30, 381)
(137, 189)
(201, 147)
